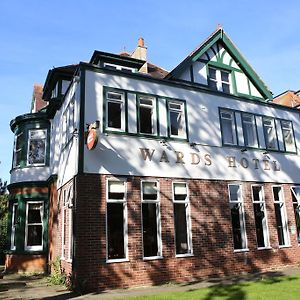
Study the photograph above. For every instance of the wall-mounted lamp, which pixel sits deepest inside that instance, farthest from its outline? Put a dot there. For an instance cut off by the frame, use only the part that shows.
(76, 78)
(244, 150)
(163, 142)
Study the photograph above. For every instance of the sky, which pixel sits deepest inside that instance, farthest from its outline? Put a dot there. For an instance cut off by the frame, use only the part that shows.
(36, 36)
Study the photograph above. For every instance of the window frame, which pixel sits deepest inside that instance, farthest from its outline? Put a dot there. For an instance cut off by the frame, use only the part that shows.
(36, 247)
(183, 112)
(233, 126)
(292, 134)
(158, 220)
(284, 219)
(14, 217)
(254, 128)
(123, 103)
(154, 114)
(261, 201)
(265, 118)
(28, 147)
(241, 218)
(186, 203)
(125, 219)
(297, 202)
(218, 80)
(19, 135)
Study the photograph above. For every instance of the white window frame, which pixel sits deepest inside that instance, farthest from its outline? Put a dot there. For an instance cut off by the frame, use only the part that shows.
(262, 202)
(292, 146)
(298, 204)
(181, 111)
(153, 113)
(283, 213)
(37, 247)
(13, 226)
(219, 82)
(158, 220)
(63, 233)
(267, 135)
(233, 126)
(253, 127)
(186, 202)
(125, 219)
(240, 202)
(70, 241)
(123, 107)
(67, 128)
(28, 146)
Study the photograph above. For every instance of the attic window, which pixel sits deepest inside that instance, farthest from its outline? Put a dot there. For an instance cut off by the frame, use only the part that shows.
(120, 68)
(219, 80)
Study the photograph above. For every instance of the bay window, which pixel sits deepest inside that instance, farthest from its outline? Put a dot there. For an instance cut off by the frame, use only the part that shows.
(19, 140)
(182, 223)
(151, 219)
(116, 220)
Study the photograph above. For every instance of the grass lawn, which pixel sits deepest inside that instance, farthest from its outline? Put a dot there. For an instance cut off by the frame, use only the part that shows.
(283, 287)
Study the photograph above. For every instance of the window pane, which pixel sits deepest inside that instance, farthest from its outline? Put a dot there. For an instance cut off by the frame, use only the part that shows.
(297, 219)
(226, 88)
(115, 230)
(150, 229)
(236, 225)
(34, 235)
(270, 134)
(234, 191)
(249, 128)
(227, 129)
(149, 190)
(279, 223)
(36, 152)
(180, 220)
(225, 76)
(146, 120)
(288, 136)
(35, 213)
(212, 84)
(176, 123)
(114, 114)
(212, 73)
(259, 215)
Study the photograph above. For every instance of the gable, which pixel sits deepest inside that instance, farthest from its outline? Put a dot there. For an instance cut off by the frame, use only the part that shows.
(218, 65)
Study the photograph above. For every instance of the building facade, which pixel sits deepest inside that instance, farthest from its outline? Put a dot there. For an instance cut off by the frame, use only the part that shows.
(133, 175)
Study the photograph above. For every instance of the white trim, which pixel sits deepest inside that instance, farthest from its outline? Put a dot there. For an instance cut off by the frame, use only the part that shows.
(158, 219)
(37, 247)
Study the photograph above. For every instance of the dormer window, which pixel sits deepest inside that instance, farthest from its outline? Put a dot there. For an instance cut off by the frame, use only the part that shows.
(120, 68)
(219, 80)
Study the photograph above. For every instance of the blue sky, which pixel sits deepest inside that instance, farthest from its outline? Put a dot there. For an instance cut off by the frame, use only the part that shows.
(37, 35)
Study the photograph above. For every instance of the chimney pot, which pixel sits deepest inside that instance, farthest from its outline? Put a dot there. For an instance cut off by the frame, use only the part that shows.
(141, 42)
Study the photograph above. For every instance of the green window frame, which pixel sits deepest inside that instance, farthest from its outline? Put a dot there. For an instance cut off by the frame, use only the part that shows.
(288, 136)
(270, 133)
(228, 127)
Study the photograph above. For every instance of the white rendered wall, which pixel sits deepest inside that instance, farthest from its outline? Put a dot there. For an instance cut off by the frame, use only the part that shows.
(122, 155)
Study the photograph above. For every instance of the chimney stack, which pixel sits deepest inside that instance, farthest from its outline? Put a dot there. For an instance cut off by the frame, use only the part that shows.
(140, 52)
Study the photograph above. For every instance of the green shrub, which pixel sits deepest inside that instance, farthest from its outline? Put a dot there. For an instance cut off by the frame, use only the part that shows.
(3, 225)
(57, 277)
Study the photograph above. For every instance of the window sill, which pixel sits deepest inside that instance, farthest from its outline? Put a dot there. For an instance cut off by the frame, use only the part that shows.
(69, 260)
(152, 257)
(184, 255)
(285, 246)
(241, 250)
(264, 248)
(118, 260)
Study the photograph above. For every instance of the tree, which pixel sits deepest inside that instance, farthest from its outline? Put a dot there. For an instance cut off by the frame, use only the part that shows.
(3, 218)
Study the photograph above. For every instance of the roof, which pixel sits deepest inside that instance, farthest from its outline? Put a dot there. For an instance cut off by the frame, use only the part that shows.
(156, 71)
(288, 98)
(220, 36)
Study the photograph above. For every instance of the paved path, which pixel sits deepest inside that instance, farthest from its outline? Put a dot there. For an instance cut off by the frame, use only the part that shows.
(36, 287)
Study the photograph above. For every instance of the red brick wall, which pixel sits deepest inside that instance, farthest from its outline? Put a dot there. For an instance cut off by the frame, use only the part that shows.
(211, 235)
